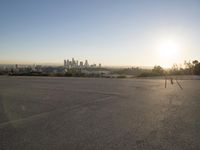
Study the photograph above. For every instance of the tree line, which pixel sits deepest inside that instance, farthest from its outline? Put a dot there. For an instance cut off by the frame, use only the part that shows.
(188, 68)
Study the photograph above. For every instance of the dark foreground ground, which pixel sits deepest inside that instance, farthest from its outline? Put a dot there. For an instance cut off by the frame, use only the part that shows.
(39, 113)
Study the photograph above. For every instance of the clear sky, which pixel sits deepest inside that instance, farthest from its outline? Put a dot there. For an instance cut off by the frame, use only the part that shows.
(113, 32)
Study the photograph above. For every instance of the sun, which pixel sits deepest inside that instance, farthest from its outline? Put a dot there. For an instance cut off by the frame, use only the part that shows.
(169, 50)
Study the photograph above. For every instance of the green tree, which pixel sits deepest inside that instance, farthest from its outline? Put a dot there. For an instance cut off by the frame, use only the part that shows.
(158, 70)
(196, 68)
(195, 62)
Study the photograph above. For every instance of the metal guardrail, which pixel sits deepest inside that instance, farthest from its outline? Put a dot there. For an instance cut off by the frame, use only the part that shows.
(172, 82)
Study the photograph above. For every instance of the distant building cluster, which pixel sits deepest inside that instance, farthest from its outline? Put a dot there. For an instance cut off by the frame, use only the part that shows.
(71, 68)
(18, 67)
(76, 64)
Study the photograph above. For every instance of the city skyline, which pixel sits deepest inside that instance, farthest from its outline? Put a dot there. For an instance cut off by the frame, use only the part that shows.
(115, 33)
(73, 63)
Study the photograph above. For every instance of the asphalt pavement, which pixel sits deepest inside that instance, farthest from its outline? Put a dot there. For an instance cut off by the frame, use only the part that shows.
(50, 113)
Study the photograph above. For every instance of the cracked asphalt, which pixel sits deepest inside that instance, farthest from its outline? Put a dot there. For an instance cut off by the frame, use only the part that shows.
(49, 113)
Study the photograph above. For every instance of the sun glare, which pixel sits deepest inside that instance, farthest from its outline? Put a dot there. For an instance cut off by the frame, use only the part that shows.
(168, 52)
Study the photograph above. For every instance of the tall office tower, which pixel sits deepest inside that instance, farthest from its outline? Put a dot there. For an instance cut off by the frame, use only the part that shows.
(86, 63)
(68, 63)
(65, 63)
(73, 63)
(81, 64)
(16, 66)
(99, 65)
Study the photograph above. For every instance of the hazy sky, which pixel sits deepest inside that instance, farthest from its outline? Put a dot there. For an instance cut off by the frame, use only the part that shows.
(113, 32)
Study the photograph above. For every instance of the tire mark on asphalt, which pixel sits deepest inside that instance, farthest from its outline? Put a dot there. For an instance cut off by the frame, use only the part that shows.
(56, 110)
(84, 91)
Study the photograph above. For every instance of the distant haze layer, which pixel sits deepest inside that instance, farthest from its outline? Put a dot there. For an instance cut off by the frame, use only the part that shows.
(114, 33)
